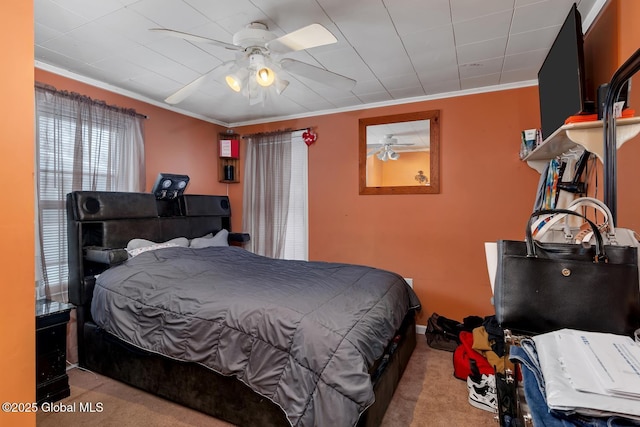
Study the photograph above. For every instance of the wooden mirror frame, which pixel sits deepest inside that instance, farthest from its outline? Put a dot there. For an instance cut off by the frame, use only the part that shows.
(434, 147)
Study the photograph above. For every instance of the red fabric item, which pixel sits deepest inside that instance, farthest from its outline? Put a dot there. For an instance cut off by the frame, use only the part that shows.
(465, 352)
(580, 118)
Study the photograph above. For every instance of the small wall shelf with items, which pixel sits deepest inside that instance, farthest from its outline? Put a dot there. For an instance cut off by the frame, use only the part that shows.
(229, 158)
(587, 134)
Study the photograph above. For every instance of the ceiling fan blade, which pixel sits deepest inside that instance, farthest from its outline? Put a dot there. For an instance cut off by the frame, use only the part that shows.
(194, 38)
(317, 74)
(192, 87)
(313, 35)
(186, 91)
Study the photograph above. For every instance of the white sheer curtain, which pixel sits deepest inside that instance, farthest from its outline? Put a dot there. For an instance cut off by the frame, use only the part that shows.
(81, 144)
(297, 246)
(275, 195)
(266, 192)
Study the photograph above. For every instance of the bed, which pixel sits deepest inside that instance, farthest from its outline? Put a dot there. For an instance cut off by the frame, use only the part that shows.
(245, 338)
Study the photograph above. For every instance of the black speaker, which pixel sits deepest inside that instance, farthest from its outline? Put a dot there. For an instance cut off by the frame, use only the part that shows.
(229, 173)
(91, 205)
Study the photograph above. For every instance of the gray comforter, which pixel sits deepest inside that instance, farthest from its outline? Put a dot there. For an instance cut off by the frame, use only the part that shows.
(303, 334)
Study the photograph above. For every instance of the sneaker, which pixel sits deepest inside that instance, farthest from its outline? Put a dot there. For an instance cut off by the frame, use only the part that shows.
(482, 392)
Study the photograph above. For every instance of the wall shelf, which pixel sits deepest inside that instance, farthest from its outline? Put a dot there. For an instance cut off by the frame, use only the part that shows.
(225, 162)
(588, 135)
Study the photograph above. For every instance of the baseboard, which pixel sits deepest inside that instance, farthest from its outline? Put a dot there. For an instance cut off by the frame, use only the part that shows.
(421, 329)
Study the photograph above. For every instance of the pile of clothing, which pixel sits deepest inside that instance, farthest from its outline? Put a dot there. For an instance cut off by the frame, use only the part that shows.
(478, 358)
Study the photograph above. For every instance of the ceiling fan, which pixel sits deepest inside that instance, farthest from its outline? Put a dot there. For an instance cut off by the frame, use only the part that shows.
(384, 150)
(255, 66)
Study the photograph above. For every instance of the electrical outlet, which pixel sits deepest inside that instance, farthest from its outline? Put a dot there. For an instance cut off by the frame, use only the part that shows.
(409, 281)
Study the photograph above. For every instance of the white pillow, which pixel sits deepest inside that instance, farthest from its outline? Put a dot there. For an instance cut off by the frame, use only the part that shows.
(206, 236)
(141, 243)
(220, 239)
(138, 251)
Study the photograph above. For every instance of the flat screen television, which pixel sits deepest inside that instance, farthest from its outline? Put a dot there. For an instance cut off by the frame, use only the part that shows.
(561, 79)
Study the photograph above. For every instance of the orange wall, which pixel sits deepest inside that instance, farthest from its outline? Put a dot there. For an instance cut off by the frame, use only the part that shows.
(487, 192)
(613, 38)
(436, 239)
(629, 10)
(17, 304)
(174, 143)
(629, 154)
(426, 237)
(601, 49)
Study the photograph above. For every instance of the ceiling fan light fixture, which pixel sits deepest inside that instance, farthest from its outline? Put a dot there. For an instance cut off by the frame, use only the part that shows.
(387, 153)
(236, 81)
(233, 82)
(254, 92)
(389, 139)
(265, 76)
(254, 46)
(281, 85)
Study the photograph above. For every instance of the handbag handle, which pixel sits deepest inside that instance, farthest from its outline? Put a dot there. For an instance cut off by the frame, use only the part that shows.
(592, 202)
(604, 209)
(531, 247)
(573, 206)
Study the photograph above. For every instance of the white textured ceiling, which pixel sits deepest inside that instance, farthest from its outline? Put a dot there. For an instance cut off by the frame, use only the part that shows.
(395, 49)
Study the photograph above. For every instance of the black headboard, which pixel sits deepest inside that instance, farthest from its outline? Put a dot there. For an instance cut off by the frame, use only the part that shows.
(101, 223)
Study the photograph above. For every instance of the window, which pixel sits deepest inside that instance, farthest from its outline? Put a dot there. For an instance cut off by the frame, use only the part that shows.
(275, 195)
(297, 230)
(81, 145)
(58, 159)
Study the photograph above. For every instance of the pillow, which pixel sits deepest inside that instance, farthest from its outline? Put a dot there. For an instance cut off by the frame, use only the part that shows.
(206, 236)
(105, 255)
(141, 243)
(220, 239)
(138, 251)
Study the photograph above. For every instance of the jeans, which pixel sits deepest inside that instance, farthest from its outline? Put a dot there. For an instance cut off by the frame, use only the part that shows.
(534, 392)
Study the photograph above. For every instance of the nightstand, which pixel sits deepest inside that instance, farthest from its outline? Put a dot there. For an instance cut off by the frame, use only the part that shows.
(52, 382)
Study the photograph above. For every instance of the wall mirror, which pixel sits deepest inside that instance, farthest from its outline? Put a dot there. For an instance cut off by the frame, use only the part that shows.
(400, 154)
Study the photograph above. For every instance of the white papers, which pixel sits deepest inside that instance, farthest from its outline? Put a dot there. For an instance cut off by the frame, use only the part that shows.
(615, 360)
(575, 367)
(491, 253)
(590, 373)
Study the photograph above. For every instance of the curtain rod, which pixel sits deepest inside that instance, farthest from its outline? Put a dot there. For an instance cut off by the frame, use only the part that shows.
(85, 98)
(275, 132)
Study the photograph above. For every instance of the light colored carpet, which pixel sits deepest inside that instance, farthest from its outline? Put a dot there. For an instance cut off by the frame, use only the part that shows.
(428, 395)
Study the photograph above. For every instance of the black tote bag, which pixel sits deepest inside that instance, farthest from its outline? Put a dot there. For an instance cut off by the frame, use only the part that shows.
(541, 287)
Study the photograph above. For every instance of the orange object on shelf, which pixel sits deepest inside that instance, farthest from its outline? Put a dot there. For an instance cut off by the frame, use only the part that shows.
(581, 118)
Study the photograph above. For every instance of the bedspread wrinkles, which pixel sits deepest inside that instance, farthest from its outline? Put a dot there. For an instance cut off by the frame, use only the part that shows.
(303, 334)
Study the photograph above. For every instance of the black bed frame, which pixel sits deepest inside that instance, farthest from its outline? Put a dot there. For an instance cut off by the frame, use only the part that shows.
(100, 224)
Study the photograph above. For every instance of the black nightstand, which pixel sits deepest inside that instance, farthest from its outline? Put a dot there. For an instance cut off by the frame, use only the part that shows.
(52, 382)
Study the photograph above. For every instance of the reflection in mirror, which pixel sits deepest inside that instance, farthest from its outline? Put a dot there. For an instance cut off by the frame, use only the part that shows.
(399, 154)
